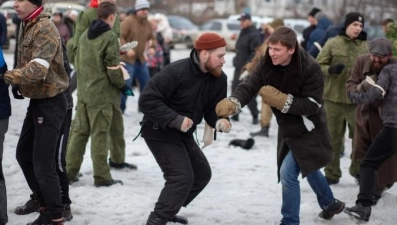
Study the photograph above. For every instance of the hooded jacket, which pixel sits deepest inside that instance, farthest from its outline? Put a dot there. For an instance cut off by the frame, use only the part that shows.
(39, 39)
(303, 79)
(98, 50)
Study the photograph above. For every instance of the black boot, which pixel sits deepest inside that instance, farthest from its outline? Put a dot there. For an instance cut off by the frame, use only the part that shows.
(263, 132)
(67, 213)
(123, 165)
(329, 212)
(178, 219)
(245, 144)
(359, 212)
(255, 119)
(155, 219)
(32, 205)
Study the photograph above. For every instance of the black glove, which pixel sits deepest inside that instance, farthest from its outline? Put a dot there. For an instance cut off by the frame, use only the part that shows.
(336, 69)
(15, 92)
(126, 90)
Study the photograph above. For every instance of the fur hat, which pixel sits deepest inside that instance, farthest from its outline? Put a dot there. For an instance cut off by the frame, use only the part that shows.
(352, 17)
(141, 4)
(209, 41)
(36, 2)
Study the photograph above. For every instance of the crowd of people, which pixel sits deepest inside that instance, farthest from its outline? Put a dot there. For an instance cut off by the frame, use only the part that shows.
(335, 79)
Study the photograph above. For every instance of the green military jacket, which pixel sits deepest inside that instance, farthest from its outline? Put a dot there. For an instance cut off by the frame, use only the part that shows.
(391, 34)
(339, 50)
(83, 22)
(97, 84)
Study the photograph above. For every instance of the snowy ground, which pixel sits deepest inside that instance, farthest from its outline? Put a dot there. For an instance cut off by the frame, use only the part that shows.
(243, 189)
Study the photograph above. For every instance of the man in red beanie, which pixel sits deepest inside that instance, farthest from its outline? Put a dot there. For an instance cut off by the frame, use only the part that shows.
(174, 102)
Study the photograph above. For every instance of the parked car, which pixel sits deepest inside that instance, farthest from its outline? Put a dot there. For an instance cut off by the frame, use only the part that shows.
(7, 8)
(63, 7)
(226, 28)
(297, 24)
(184, 31)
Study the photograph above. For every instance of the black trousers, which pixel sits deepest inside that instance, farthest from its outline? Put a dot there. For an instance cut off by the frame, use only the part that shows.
(186, 172)
(36, 149)
(60, 159)
(383, 147)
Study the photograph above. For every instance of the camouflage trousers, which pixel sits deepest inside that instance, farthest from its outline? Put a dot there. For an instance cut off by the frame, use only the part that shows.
(104, 124)
(339, 115)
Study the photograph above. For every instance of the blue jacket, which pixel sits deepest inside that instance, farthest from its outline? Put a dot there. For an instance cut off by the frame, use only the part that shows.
(318, 34)
(5, 105)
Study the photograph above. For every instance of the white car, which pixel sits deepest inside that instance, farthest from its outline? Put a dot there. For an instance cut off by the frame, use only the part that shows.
(63, 7)
(225, 28)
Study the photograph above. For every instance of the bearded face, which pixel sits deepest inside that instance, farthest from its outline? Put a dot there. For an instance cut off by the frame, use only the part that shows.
(377, 62)
(213, 64)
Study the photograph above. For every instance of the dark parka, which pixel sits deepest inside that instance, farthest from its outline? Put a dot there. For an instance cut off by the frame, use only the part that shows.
(367, 120)
(303, 79)
(181, 88)
(247, 43)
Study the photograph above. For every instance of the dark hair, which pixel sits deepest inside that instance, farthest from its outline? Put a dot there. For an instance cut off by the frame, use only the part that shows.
(105, 9)
(387, 21)
(285, 36)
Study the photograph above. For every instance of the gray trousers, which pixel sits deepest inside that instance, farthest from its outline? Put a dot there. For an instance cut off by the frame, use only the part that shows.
(3, 193)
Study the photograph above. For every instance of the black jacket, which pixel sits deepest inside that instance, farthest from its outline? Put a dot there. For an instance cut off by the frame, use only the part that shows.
(246, 44)
(303, 79)
(180, 88)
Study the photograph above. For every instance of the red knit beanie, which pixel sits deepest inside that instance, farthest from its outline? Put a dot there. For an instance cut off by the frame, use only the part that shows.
(94, 4)
(209, 41)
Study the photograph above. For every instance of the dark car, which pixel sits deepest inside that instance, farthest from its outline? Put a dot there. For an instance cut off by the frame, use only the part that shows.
(184, 31)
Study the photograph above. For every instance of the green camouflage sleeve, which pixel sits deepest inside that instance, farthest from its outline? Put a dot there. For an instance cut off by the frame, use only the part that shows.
(112, 59)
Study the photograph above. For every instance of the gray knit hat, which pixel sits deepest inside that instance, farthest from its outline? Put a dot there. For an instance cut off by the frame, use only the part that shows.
(141, 4)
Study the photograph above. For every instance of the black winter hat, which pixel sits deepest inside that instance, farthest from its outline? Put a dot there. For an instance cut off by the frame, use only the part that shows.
(314, 11)
(36, 2)
(353, 16)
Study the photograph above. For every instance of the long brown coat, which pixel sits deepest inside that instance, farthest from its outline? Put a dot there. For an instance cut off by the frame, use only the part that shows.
(304, 80)
(368, 122)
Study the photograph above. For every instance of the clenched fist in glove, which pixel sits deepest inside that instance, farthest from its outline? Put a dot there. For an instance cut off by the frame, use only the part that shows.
(336, 69)
(186, 124)
(275, 98)
(223, 125)
(227, 107)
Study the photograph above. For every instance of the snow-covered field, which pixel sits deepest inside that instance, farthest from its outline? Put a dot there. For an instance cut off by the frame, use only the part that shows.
(243, 189)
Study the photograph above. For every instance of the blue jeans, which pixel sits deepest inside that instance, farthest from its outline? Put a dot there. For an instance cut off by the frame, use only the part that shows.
(3, 193)
(289, 173)
(137, 71)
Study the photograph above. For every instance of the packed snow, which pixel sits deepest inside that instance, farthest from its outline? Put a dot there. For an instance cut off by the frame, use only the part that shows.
(243, 189)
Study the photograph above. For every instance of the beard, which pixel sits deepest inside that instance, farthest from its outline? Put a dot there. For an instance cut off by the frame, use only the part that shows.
(217, 71)
(377, 66)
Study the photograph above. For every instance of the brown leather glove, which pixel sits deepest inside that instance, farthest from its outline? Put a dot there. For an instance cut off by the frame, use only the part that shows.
(273, 97)
(227, 107)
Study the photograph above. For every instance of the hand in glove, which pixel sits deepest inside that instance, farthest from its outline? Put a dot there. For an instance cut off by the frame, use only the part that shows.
(273, 97)
(126, 90)
(336, 69)
(15, 92)
(366, 84)
(227, 107)
(12, 78)
(186, 124)
(223, 125)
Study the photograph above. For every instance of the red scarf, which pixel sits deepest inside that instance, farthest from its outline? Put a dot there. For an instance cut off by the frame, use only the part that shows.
(94, 4)
(34, 14)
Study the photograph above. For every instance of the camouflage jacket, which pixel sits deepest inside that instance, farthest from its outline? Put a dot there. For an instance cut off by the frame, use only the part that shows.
(339, 50)
(96, 83)
(38, 44)
(391, 34)
(83, 22)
